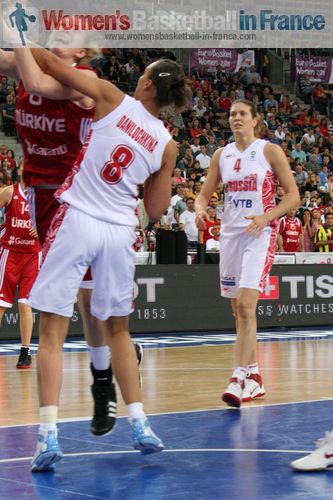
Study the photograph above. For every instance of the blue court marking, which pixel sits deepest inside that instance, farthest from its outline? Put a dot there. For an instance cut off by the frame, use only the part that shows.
(158, 340)
(216, 454)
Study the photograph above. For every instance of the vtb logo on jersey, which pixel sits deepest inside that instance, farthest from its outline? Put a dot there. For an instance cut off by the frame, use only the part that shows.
(271, 290)
(253, 155)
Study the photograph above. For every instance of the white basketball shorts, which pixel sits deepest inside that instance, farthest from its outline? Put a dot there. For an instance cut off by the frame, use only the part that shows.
(76, 241)
(246, 261)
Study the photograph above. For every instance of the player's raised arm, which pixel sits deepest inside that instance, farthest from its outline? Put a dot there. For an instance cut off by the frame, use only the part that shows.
(7, 64)
(105, 94)
(36, 82)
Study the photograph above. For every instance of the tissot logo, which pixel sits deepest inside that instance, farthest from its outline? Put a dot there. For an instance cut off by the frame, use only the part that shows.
(308, 287)
(271, 291)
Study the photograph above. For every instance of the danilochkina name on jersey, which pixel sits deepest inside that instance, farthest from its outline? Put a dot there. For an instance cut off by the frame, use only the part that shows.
(137, 133)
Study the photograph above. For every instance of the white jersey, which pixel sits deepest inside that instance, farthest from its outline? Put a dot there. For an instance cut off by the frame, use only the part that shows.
(250, 185)
(122, 150)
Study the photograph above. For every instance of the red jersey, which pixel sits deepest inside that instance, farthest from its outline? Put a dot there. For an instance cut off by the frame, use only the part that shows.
(208, 231)
(15, 231)
(52, 134)
(290, 230)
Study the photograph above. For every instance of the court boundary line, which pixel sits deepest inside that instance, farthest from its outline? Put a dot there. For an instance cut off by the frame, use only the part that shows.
(169, 450)
(268, 405)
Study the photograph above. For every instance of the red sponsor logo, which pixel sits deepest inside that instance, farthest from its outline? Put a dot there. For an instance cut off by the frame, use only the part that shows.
(271, 290)
(328, 455)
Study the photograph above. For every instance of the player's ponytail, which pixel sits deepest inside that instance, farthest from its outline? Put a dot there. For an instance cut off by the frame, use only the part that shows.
(171, 84)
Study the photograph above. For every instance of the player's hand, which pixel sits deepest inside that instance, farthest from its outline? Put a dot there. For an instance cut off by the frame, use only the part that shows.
(258, 222)
(200, 219)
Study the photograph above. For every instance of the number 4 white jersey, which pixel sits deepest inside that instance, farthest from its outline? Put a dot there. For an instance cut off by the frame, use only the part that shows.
(122, 150)
(250, 185)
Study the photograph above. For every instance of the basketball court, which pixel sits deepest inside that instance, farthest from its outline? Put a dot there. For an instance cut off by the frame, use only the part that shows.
(212, 451)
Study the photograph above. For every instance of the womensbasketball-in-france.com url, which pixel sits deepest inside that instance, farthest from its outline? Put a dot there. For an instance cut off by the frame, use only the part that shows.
(197, 35)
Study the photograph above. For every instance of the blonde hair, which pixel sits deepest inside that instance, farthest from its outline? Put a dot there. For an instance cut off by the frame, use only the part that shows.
(87, 58)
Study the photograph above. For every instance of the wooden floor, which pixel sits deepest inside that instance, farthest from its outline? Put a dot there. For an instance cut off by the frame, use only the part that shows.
(178, 379)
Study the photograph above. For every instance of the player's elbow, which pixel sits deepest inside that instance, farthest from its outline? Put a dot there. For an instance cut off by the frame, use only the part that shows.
(32, 85)
(155, 209)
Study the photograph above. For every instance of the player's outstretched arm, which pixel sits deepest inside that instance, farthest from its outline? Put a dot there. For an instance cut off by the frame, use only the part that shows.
(101, 91)
(7, 64)
(157, 191)
(36, 82)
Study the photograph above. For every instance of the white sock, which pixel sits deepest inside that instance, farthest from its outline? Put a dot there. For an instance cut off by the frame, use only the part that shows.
(135, 410)
(239, 372)
(253, 369)
(100, 357)
(48, 418)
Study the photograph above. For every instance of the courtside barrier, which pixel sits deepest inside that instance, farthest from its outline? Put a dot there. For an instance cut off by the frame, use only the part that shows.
(179, 298)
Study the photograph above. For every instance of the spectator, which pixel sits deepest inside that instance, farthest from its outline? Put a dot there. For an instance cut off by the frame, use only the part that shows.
(210, 222)
(195, 146)
(195, 173)
(308, 139)
(224, 102)
(323, 239)
(252, 76)
(211, 147)
(186, 163)
(279, 194)
(311, 183)
(308, 231)
(203, 158)
(8, 116)
(178, 195)
(197, 187)
(290, 233)
(123, 79)
(187, 224)
(300, 177)
(280, 134)
(213, 244)
(178, 121)
(200, 108)
(323, 127)
(320, 98)
(297, 152)
(181, 206)
(195, 129)
(305, 85)
(178, 177)
(313, 164)
(270, 103)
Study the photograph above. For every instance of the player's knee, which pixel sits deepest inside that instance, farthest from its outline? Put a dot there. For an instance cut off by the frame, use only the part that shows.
(245, 310)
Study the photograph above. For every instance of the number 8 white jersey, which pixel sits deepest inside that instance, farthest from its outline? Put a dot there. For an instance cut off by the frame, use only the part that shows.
(122, 150)
(250, 184)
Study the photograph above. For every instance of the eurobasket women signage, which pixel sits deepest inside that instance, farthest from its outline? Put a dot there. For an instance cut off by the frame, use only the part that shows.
(230, 60)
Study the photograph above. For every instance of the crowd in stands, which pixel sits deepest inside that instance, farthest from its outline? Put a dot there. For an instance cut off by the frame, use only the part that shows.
(299, 124)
